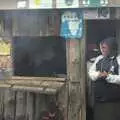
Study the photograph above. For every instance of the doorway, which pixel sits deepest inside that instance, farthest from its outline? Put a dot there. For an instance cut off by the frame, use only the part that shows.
(96, 30)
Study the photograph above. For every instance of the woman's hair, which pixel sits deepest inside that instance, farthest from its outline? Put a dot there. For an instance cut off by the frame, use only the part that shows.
(111, 42)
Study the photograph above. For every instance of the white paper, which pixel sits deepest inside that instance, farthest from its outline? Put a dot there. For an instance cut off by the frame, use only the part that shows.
(67, 3)
(21, 4)
(40, 4)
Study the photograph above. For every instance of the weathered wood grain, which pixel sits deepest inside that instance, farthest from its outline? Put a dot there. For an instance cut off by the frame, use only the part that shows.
(118, 33)
(30, 106)
(20, 113)
(38, 78)
(9, 104)
(1, 103)
(40, 105)
(76, 70)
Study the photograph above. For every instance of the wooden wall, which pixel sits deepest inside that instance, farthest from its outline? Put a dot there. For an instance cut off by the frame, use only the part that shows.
(19, 105)
(35, 23)
(23, 105)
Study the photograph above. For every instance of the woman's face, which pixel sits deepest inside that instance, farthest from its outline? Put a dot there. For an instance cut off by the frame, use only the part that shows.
(105, 49)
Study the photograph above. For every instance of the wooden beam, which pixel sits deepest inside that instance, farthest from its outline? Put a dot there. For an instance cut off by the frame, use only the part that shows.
(74, 90)
(76, 72)
(35, 89)
(83, 76)
(46, 86)
(37, 78)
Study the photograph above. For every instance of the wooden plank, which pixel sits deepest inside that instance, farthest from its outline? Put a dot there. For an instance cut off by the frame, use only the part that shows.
(63, 103)
(52, 84)
(4, 85)
(9, 105)
(47, 27)
(40, 105)
(46, 87)
(118, 34)
(20, 106)
(23, 82)
(49, 91)
(30, 110)
(1, 103)
(83, 76)
(38, 78)
(74, 75)
(76, 70)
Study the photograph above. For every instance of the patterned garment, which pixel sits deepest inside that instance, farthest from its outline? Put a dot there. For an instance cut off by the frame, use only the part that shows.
(107, 64)
(104, 91)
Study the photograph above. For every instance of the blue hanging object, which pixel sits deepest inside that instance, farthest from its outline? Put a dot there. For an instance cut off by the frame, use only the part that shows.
(72, 24)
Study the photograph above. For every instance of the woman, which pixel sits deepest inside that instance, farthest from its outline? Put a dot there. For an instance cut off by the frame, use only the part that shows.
(105, 74)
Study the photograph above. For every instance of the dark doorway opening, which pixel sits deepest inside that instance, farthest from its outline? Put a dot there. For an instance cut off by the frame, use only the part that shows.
(97, 30)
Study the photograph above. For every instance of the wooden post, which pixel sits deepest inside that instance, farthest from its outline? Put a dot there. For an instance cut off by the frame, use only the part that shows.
(83, 76)
(76, 75)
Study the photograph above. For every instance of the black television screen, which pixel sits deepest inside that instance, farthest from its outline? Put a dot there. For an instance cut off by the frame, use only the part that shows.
(38, 56)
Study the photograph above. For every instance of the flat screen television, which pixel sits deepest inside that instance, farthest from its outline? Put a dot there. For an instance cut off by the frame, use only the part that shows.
(38, 56)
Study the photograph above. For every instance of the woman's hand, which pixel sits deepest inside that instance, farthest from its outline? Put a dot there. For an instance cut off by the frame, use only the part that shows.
(103, 74)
